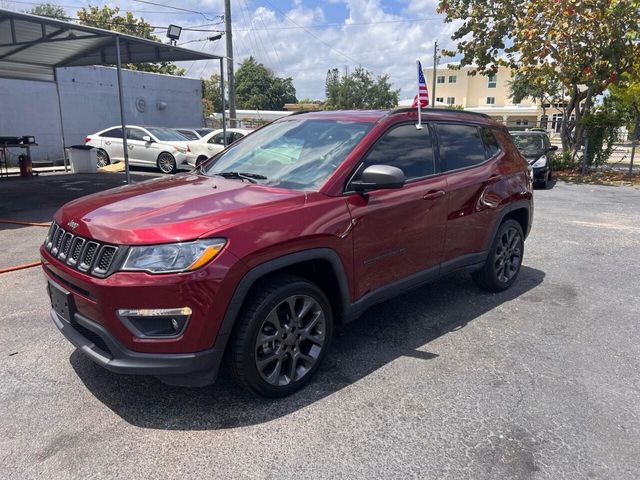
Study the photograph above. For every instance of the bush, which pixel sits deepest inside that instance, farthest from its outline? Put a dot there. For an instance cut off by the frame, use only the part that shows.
(601, 128)
(564, 161)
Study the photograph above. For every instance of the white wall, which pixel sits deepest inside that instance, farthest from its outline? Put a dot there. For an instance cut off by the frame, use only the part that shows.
(90, 103)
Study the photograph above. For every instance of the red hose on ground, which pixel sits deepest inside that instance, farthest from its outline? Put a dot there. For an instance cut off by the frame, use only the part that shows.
(20, 267)
(28, 224)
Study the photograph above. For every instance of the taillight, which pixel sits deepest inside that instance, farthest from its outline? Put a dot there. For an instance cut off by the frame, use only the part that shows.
(87, 140)
(188, 148)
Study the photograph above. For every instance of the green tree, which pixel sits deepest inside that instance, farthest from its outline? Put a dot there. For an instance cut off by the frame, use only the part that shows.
(211, 96)
(48, 10)
(583, 45)
(109, 19)
(624, 98)
(547, 91)
(361, 89)
(257, 87)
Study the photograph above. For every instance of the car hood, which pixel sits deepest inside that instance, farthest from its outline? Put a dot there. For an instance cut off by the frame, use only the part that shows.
(169, 209)
(531, 157)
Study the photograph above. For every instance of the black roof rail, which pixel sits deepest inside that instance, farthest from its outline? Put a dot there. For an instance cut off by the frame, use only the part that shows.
(440, 110)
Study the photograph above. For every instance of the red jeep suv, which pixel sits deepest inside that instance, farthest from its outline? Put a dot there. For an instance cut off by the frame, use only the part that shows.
(257, 254)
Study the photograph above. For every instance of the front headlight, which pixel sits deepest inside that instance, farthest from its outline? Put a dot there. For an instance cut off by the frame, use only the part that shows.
(173, 257)
(541, 162)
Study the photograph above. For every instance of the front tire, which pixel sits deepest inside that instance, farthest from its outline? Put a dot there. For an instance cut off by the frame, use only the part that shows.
(281, 336)
(167, 163)
(502, 267)
(103, 158)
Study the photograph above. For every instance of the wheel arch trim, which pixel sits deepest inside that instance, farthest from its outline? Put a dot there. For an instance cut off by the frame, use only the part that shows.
(271, 266)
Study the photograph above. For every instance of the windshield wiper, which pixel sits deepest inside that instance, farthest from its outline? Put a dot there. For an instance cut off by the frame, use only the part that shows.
(251, 177)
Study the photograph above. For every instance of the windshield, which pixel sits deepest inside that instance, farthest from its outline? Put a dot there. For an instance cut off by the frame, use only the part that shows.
(166, 134)
(529, 143)
(293, 153)
(204, 131)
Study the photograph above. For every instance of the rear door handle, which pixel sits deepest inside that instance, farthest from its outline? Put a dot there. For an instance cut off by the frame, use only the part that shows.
(433, 194)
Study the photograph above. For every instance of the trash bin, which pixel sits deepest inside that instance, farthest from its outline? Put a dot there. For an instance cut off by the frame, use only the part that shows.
(26, 167)
(83, 159)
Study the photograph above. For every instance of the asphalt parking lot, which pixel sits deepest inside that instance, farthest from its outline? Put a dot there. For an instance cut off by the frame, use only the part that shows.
(541, 381)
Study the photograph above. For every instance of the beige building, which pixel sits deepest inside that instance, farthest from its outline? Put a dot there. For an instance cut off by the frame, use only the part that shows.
(489, 95)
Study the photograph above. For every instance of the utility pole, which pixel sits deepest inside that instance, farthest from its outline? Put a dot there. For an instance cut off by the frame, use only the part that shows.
(435, 66)
(230, 79)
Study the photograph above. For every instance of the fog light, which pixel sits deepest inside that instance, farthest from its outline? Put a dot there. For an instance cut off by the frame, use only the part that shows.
(155, 322)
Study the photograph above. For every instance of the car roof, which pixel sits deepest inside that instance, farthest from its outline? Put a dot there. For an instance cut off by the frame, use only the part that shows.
(374, 116)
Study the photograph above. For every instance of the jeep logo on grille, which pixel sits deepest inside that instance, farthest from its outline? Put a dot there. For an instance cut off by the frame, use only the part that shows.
(72, 224)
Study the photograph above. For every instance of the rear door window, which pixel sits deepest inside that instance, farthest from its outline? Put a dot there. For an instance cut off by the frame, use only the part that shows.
(405, 147)
(113, 133)
(460, 146)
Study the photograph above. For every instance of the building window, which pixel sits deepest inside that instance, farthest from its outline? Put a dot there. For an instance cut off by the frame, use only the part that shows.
(440, 79)
(493, 81)
(439, 99)
(451, 100)
(491, 100)
(453, 78)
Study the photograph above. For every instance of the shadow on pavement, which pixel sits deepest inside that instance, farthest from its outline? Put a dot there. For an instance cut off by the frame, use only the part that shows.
(397, 328)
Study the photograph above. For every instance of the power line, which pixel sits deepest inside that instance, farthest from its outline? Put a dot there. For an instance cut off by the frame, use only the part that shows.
(359, 24)
(23, 2)
(180, 9)
(312, 34)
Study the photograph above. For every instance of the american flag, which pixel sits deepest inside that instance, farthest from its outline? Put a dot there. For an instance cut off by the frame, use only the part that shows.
(423, 94)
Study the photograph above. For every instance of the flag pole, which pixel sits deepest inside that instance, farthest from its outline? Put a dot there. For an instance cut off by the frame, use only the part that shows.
(419, 124)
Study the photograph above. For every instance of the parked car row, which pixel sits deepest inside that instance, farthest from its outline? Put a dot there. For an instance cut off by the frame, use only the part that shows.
(167, 149)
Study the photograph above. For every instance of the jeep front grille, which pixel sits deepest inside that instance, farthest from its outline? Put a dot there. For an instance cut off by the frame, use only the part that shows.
(80, 253)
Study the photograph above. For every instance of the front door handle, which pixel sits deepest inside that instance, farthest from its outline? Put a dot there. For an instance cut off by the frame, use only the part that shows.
(433, 194)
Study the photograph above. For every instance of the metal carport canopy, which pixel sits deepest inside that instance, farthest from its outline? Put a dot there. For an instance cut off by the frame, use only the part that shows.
(32, 47)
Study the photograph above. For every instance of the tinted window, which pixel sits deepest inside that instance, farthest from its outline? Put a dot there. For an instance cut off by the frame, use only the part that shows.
(217, 139)
(135, 134)
(235, 136)
(460, 146)
(407, 148)
(113, 133)
(189, 134)
(490, 142)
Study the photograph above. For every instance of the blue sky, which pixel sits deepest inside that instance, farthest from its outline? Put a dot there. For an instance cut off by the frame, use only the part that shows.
(302, 39)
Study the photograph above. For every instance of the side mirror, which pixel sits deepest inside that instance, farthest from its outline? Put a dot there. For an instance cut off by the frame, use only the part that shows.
(376, 177)
(147, 138)
(553, 148)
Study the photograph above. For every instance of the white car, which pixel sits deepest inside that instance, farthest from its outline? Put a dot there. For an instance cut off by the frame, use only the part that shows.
(159, 147)
(213, 143)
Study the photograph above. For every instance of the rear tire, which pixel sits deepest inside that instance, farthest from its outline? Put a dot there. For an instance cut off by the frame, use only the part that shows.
(103, 158)
(167, 163)
(281, 336)
(502, 267)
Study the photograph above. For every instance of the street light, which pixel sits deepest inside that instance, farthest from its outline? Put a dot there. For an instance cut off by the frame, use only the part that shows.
(173, 33)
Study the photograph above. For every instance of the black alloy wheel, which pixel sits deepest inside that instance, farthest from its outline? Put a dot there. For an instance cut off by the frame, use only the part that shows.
(504, 260)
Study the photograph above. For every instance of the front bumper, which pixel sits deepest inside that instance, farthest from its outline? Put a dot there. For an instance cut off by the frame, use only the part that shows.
(540, 174)
(94, 341)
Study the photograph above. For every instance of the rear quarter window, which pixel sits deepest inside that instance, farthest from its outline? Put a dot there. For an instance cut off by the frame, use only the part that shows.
(460, 146)
(490, 143)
